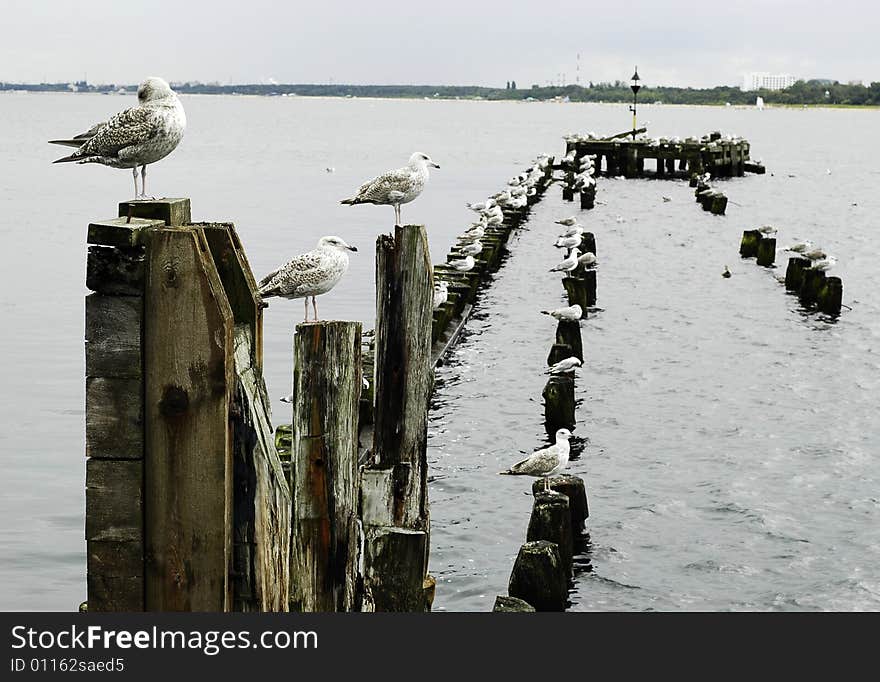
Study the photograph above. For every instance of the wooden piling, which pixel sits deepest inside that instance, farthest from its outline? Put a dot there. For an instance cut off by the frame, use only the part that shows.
(748, 247)
(766, 251)
(574, 489)
(539, 577)
(551, 520)
(505, 604)
(813, 281)
(559, 405)
(394, 495)
(324, 472)
(577, 291)
(568, 333)
(830, 296)
(794, 273)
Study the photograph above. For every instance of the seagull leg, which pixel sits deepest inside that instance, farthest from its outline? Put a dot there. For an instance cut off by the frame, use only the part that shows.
(306, 302)
(144, 181)
(134, 173)
(315, 307)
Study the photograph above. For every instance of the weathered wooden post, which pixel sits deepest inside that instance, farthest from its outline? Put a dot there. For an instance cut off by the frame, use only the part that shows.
(394, 494)
(324, 467)
(576, 288)
(568, 333)
(794, 273)
(718, 205)
(830, 296)
(559, 405)
(748, 247)
(539, 577)
(812, 284)
(574, 489)
(511, 605)
(551, 520)
(175, 410)
(766, 251)
(558, 351)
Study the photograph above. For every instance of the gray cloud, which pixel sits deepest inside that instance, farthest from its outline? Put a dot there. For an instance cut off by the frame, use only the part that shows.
(451, 42)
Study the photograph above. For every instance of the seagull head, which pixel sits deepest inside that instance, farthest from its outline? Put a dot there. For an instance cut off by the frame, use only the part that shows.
(335, 243)
(152, 89)
(422, 159)
(563, 434)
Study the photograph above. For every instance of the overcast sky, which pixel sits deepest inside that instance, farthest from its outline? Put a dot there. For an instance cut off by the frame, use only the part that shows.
(436, 41)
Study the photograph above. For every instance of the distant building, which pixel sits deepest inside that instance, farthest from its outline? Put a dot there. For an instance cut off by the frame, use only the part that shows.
(767, 81)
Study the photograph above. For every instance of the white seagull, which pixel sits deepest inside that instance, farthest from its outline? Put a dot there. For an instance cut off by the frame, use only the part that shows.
(310, 274)
(568, 222)
(135, 137)
(570, 313)
(463, 265)
(472, 249)
(588, 259)
(441, 293)
(569, 263)
(800, 247)
(544, 463)
(396, 187)
(568, 364)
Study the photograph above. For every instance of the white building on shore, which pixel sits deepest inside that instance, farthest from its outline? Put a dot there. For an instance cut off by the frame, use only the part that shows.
(767, 81)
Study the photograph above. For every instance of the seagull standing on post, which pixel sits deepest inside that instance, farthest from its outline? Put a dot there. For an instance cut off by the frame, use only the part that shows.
(135, 137)
(396, 187)
(545, 463)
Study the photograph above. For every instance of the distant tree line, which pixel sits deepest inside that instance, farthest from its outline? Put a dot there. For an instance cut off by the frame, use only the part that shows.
(802, 92)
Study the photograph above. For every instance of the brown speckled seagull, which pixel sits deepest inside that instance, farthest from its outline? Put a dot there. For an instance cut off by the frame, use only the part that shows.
(396, 187)
(310, 274)
(135, 137)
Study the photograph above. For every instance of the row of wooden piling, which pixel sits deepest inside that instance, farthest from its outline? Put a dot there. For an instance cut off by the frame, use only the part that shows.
(710, 199)
(543, 569)
(812, 286)
(463, 287)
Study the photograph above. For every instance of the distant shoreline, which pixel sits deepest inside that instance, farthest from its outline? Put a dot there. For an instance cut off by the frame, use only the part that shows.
(811, 93)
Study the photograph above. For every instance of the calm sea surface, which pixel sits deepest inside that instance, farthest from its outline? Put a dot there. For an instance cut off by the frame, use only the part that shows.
(730, 440)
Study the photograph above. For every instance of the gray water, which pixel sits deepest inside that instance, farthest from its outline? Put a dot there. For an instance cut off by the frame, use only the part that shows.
(729, 439)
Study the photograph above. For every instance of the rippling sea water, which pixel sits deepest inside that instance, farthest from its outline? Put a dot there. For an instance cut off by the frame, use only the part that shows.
(729, 440)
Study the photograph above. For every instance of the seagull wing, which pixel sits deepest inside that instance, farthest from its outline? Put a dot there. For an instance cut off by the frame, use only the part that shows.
(290, 276)
(80, 140)
(130, 127)
(537, 464)
(386, 187)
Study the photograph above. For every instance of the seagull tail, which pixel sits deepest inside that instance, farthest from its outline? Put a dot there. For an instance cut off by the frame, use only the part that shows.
(545, 312)
(68, 159)
(69, 143)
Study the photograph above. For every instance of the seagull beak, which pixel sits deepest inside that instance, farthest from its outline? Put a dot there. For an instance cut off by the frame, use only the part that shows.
(435, 165)
(352, 248)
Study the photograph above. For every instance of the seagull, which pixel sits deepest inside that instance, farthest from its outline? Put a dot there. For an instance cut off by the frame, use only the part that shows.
(815, 254)
(569, 263)
(824, 263)
(588, 259)
(135, 137)
(482, 206)
(567, 242)
(396, 187)
(569, 364)
(572, 231)
(329, 169)
(726, 272)
(568, 222)
(464, 264)
(767, 230)
(441, 293)
(310, 274)
(667, 199)
(800, 247)
(544, 463)
(472, 249)
(286, 398)
(569, 313)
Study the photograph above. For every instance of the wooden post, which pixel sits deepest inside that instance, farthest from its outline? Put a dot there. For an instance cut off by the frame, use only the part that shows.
(574, 489)
(576, 288)
(511, 605)
(812, 284)
(588, 243)
(718, 206)
(766, 251)
(559, 405)
(538, 576)
(568, 332)
(394, 494)
(748, 248)
(558, 351)
(188, 348)
(830, 296)
(551, 520)
(794, 273)
(324, 470)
